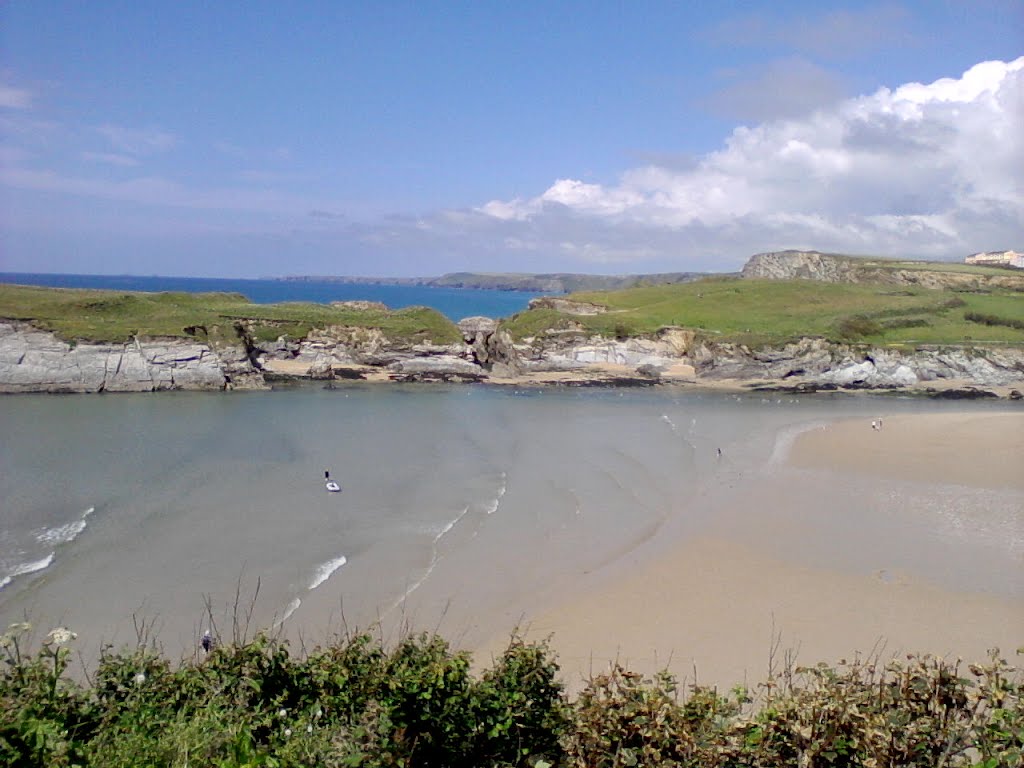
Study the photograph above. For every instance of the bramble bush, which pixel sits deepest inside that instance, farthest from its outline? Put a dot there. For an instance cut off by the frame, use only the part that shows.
(359, 702)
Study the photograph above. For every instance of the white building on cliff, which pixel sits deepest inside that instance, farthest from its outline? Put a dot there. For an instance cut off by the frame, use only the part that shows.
(997, 258)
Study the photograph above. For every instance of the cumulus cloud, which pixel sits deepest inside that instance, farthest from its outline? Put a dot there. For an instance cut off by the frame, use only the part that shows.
(924, 169)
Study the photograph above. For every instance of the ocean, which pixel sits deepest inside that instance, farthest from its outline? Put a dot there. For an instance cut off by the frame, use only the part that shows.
(458, 502)
(454, 303)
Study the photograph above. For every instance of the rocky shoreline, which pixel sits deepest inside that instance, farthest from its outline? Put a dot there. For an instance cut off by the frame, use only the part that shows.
(32, 360)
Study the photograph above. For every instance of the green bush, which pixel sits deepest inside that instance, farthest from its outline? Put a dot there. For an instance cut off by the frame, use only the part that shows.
(359, 703)
(857, 327)
(1009, 322)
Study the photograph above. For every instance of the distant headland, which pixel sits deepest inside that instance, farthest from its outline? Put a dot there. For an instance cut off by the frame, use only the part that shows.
(555, 282)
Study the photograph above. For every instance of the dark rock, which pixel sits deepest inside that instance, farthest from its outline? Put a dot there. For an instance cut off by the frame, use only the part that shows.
(650, 371)
(1015, 394)
(966, 393)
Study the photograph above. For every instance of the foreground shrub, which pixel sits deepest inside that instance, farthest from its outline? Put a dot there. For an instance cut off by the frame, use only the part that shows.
(359, 703)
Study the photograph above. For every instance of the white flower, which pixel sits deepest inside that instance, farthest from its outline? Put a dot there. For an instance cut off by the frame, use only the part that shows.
(18, 627)
(309, 729)
(59, 636)
(287, 732)
(140, 678)
(318, 713)
(282, 713)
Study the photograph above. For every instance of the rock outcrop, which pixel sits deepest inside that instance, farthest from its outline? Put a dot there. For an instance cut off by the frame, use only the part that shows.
(32, 360)
(831, 268)
(818, 362)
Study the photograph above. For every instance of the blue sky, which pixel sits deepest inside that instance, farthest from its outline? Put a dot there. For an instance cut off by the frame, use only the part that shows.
(385, 138)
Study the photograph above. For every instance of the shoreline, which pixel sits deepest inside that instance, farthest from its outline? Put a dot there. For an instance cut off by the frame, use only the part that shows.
(712, 607)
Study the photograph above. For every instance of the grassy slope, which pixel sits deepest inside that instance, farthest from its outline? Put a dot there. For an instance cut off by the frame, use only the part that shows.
(760, 312)
(89, 315)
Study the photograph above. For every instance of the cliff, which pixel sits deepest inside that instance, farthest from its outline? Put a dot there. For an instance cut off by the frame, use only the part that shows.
(32, 360)
(835, 268)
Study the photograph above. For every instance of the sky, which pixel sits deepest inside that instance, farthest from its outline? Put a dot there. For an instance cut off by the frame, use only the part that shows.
(252, 139)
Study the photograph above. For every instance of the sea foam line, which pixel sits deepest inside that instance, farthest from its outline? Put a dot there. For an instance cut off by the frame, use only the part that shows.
(325, 571)
(64, 534)
(24, 568)
(785, 438)
(293, 606)
(493, 506)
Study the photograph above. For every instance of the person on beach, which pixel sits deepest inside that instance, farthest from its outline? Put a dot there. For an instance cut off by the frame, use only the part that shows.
(207, 641)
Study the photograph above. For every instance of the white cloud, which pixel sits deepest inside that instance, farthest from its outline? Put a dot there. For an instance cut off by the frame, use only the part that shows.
(110, 158)
(925, 169)
(831, 34)
(14, 98)
(785, 88)
(130, 141)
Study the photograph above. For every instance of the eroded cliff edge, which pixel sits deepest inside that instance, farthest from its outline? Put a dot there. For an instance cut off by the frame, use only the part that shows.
(32, 360)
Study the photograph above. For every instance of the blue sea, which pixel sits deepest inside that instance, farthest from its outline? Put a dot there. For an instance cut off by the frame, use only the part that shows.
(454, 303)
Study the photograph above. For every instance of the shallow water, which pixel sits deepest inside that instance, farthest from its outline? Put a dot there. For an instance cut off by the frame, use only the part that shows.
(468, 499)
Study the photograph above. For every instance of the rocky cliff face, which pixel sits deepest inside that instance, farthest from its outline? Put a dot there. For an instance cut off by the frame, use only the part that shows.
(818, 362)
(36, 361)
(32, 360)
(829, 268)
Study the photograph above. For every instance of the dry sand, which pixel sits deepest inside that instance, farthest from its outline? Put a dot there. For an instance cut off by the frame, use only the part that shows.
(981, 450)
(710, 607)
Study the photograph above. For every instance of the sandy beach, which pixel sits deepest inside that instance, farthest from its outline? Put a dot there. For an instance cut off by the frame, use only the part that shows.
(710, 608)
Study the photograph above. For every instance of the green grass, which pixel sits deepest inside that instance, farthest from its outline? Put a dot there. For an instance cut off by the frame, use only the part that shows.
(763, 312)
(116, 316)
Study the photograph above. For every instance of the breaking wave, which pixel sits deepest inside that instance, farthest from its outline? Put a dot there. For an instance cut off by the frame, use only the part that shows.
(25, 568)
(325, 571)
(64, 534)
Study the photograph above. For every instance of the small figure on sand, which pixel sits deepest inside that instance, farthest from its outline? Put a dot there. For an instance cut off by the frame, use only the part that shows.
(207, 641)
(874, 424)
(719, 452)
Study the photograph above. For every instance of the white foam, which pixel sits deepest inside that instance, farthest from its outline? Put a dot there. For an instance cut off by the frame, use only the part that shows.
(293, 606)
(492, 507)
(61, 534)
(324, 572)
(64, 534)
(24, 568)
(450, 524)
(785, 439)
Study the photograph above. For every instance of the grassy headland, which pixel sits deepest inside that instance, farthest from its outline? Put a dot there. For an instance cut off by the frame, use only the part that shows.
(116, 316)
(771, 312)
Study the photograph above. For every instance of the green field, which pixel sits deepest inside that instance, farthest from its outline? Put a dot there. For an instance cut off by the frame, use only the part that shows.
(768, 312)
(115, 316)
(753, 312)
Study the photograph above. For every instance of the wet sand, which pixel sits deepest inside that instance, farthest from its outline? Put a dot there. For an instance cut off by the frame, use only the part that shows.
(710, 608)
